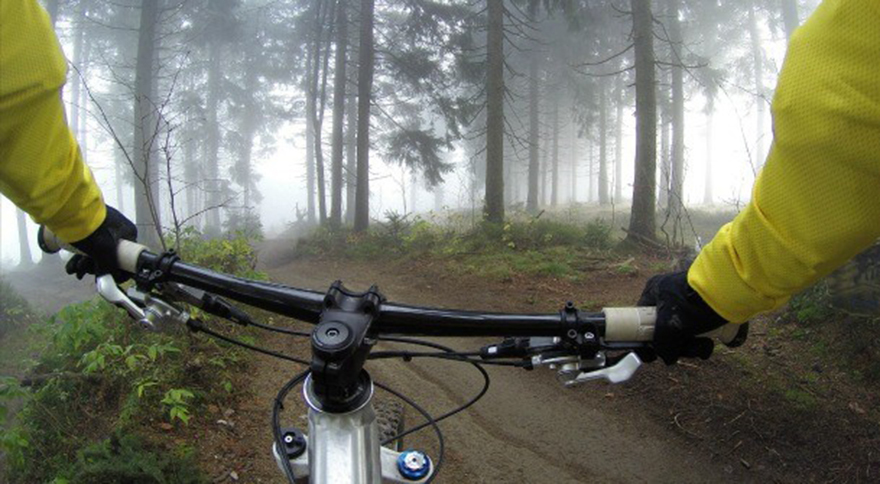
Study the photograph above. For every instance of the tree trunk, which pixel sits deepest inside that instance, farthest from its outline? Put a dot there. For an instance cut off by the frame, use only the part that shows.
(554, 181)
(190, 177)
(311, 102)
(365, 97)
(790, 17)
(664, 107)
(75, 83)
(514, 180)
(591, 179)
(350, 156)
(338, 113)
(119, 164)
(310, 156)
(603, 144)
(665, 159)
(545, 164)
(618, 144)
(315, 114)
(707, 192)
(319, 114)
(494, 210)
(248, 130)
(508, 178)
(24, 247)
(534, 130)
(758, 71)
(642, 224)
(574, 160)
(212, 143)
(676, 185)
(438, 197)
(413, 192)
(146, 183)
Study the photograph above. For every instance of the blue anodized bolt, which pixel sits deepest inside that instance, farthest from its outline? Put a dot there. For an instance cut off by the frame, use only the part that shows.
(413, 464)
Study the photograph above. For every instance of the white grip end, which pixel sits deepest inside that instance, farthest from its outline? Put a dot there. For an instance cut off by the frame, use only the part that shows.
(127, 254)
(637, 324)
(630, 324)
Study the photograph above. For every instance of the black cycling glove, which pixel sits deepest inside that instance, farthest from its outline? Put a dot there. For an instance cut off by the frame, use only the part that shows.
(681, 316)
(99, 248)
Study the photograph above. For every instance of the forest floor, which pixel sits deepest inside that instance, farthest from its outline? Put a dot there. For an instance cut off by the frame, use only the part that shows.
(780, 409)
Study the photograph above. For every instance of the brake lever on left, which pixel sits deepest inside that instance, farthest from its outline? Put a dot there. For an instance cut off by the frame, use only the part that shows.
(107, 288)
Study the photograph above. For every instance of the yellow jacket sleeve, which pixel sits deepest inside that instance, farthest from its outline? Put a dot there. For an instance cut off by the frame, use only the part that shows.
(816, 203)
(41, 167)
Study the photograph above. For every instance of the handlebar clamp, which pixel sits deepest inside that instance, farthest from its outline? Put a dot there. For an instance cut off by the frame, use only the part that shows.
(156, 270)
(580, 332)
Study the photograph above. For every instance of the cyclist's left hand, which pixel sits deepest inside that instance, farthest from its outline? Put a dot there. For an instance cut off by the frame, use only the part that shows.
(99, 248)
(681, 316)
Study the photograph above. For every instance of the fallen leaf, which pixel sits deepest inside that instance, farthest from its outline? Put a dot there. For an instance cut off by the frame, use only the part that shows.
(855, 407)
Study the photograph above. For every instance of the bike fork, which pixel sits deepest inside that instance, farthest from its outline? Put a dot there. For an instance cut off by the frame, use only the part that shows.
(345, 448)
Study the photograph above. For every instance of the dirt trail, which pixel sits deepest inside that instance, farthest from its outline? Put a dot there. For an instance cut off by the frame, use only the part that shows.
(528, 428)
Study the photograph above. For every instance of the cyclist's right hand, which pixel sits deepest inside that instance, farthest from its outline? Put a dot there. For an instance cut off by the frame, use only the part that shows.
(99, 249)
(682, 315)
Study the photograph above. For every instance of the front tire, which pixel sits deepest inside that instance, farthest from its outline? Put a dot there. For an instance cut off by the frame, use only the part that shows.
(390, 420)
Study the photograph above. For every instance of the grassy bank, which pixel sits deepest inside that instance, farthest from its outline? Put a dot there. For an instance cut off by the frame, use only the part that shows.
(105, 401)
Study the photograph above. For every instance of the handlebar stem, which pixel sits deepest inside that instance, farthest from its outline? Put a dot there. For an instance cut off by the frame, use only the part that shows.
(340, 347)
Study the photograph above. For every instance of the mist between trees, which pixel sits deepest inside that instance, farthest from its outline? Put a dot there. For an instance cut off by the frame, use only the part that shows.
(365, 106)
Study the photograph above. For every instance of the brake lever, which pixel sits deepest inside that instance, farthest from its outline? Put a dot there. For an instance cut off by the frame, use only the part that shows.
(620, 372)
(158, 312)
(107, 288)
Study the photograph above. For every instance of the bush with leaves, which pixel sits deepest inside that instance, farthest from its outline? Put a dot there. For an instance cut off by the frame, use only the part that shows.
(14, 309)
(398, 235)
(232, 255)
(126, 458)
(13, 441)
(101, 375)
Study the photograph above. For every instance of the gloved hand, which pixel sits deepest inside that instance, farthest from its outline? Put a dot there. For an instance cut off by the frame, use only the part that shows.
(681, 316)
(100, 248)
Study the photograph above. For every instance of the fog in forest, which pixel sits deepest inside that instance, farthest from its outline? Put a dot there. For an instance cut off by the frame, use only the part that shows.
(263, 116)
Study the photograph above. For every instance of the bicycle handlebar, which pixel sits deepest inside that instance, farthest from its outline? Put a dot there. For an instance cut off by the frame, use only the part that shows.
(572, 342)
(629, 324)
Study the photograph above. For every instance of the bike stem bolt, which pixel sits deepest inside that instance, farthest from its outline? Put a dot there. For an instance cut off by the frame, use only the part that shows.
(413, 465)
